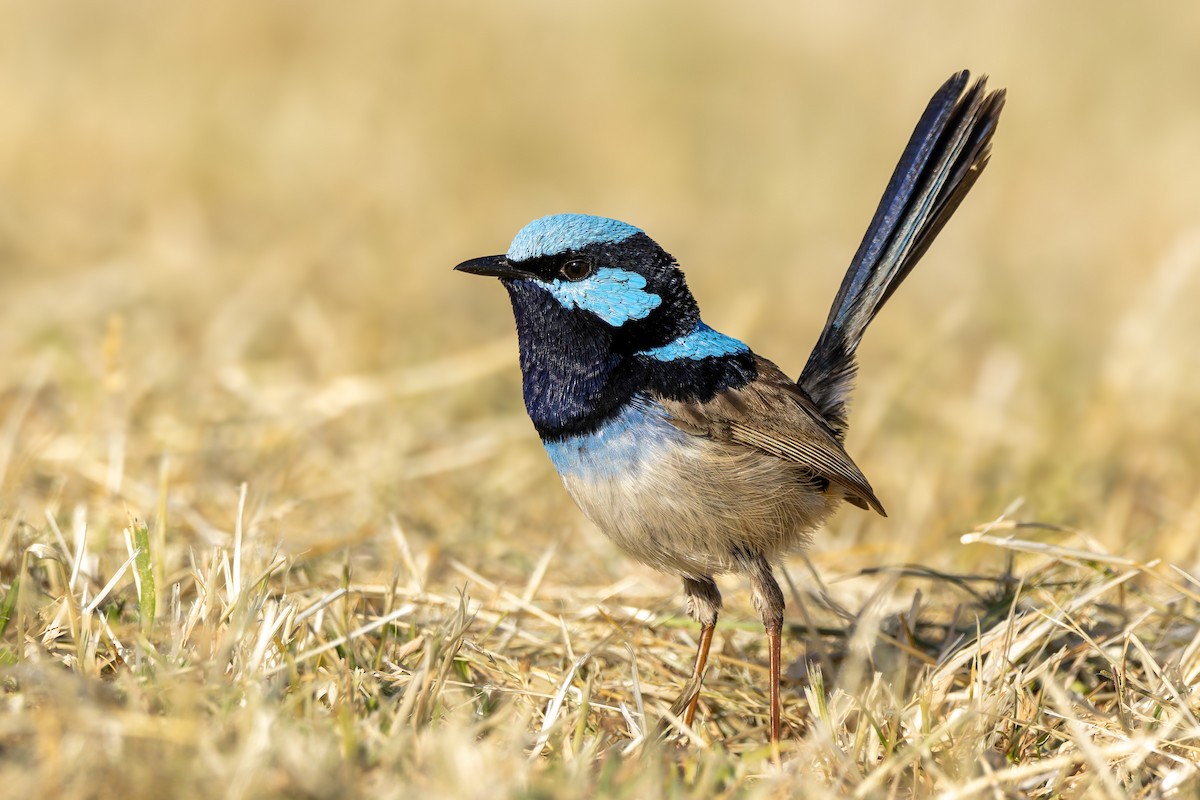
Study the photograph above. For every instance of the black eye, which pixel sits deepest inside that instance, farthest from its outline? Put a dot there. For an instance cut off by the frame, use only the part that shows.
(576, 269)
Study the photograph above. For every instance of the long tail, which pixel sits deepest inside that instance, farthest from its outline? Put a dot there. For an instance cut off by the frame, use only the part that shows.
(945, 155)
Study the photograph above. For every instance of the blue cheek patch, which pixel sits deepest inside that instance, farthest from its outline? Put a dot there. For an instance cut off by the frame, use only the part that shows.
(614, 295)
(702, 342)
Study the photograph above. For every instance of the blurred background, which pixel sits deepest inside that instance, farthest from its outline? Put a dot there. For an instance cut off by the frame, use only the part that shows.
(227, 233)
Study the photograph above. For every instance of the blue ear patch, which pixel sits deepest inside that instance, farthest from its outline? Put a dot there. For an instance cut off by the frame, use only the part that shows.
(559, 233)
(702, 342)
(614, 295)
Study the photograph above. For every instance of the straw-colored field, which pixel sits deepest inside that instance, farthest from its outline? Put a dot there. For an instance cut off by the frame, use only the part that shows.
(273, 522)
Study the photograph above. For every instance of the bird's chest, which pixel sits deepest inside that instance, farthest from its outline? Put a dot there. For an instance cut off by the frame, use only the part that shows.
(615, 473)
(625, 449)
(632, 478)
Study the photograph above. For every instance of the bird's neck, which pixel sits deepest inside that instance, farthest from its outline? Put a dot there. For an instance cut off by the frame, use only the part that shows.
(575, 375)
(572, 378)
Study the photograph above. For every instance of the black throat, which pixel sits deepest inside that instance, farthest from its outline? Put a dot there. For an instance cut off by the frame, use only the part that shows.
(576, 374)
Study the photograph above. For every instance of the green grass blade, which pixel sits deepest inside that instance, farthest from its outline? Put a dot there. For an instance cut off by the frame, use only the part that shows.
(144, 564)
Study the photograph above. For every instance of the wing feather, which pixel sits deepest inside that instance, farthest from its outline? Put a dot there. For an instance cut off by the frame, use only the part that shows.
(773, 415)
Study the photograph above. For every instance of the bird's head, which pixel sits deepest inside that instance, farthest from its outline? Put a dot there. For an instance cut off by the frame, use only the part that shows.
(573, 275)
(604, 313)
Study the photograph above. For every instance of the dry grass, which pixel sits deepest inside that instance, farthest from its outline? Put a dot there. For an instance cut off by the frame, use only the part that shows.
(272, 521)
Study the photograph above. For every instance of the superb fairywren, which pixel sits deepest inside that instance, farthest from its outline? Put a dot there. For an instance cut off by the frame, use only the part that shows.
(691, 452)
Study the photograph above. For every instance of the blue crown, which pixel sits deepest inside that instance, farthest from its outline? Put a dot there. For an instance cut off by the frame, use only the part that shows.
(560, 233)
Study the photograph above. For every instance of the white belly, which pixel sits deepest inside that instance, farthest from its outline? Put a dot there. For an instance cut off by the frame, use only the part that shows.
(686, 504)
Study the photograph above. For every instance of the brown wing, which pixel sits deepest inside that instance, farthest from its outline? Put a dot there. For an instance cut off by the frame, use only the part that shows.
(773, 415)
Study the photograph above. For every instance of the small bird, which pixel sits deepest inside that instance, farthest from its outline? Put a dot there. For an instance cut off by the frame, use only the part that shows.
(695, 455)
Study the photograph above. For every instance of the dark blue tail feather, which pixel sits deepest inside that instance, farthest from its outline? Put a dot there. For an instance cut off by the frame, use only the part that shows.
(945, 155)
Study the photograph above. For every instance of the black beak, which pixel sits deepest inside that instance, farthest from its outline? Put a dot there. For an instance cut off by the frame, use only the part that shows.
(495, 266)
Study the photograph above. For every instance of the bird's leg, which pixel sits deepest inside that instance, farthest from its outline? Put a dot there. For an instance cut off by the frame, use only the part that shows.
(703, 605)
(768, 599)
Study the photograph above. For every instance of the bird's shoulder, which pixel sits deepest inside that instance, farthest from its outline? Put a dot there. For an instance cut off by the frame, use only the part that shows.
(773, 415)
